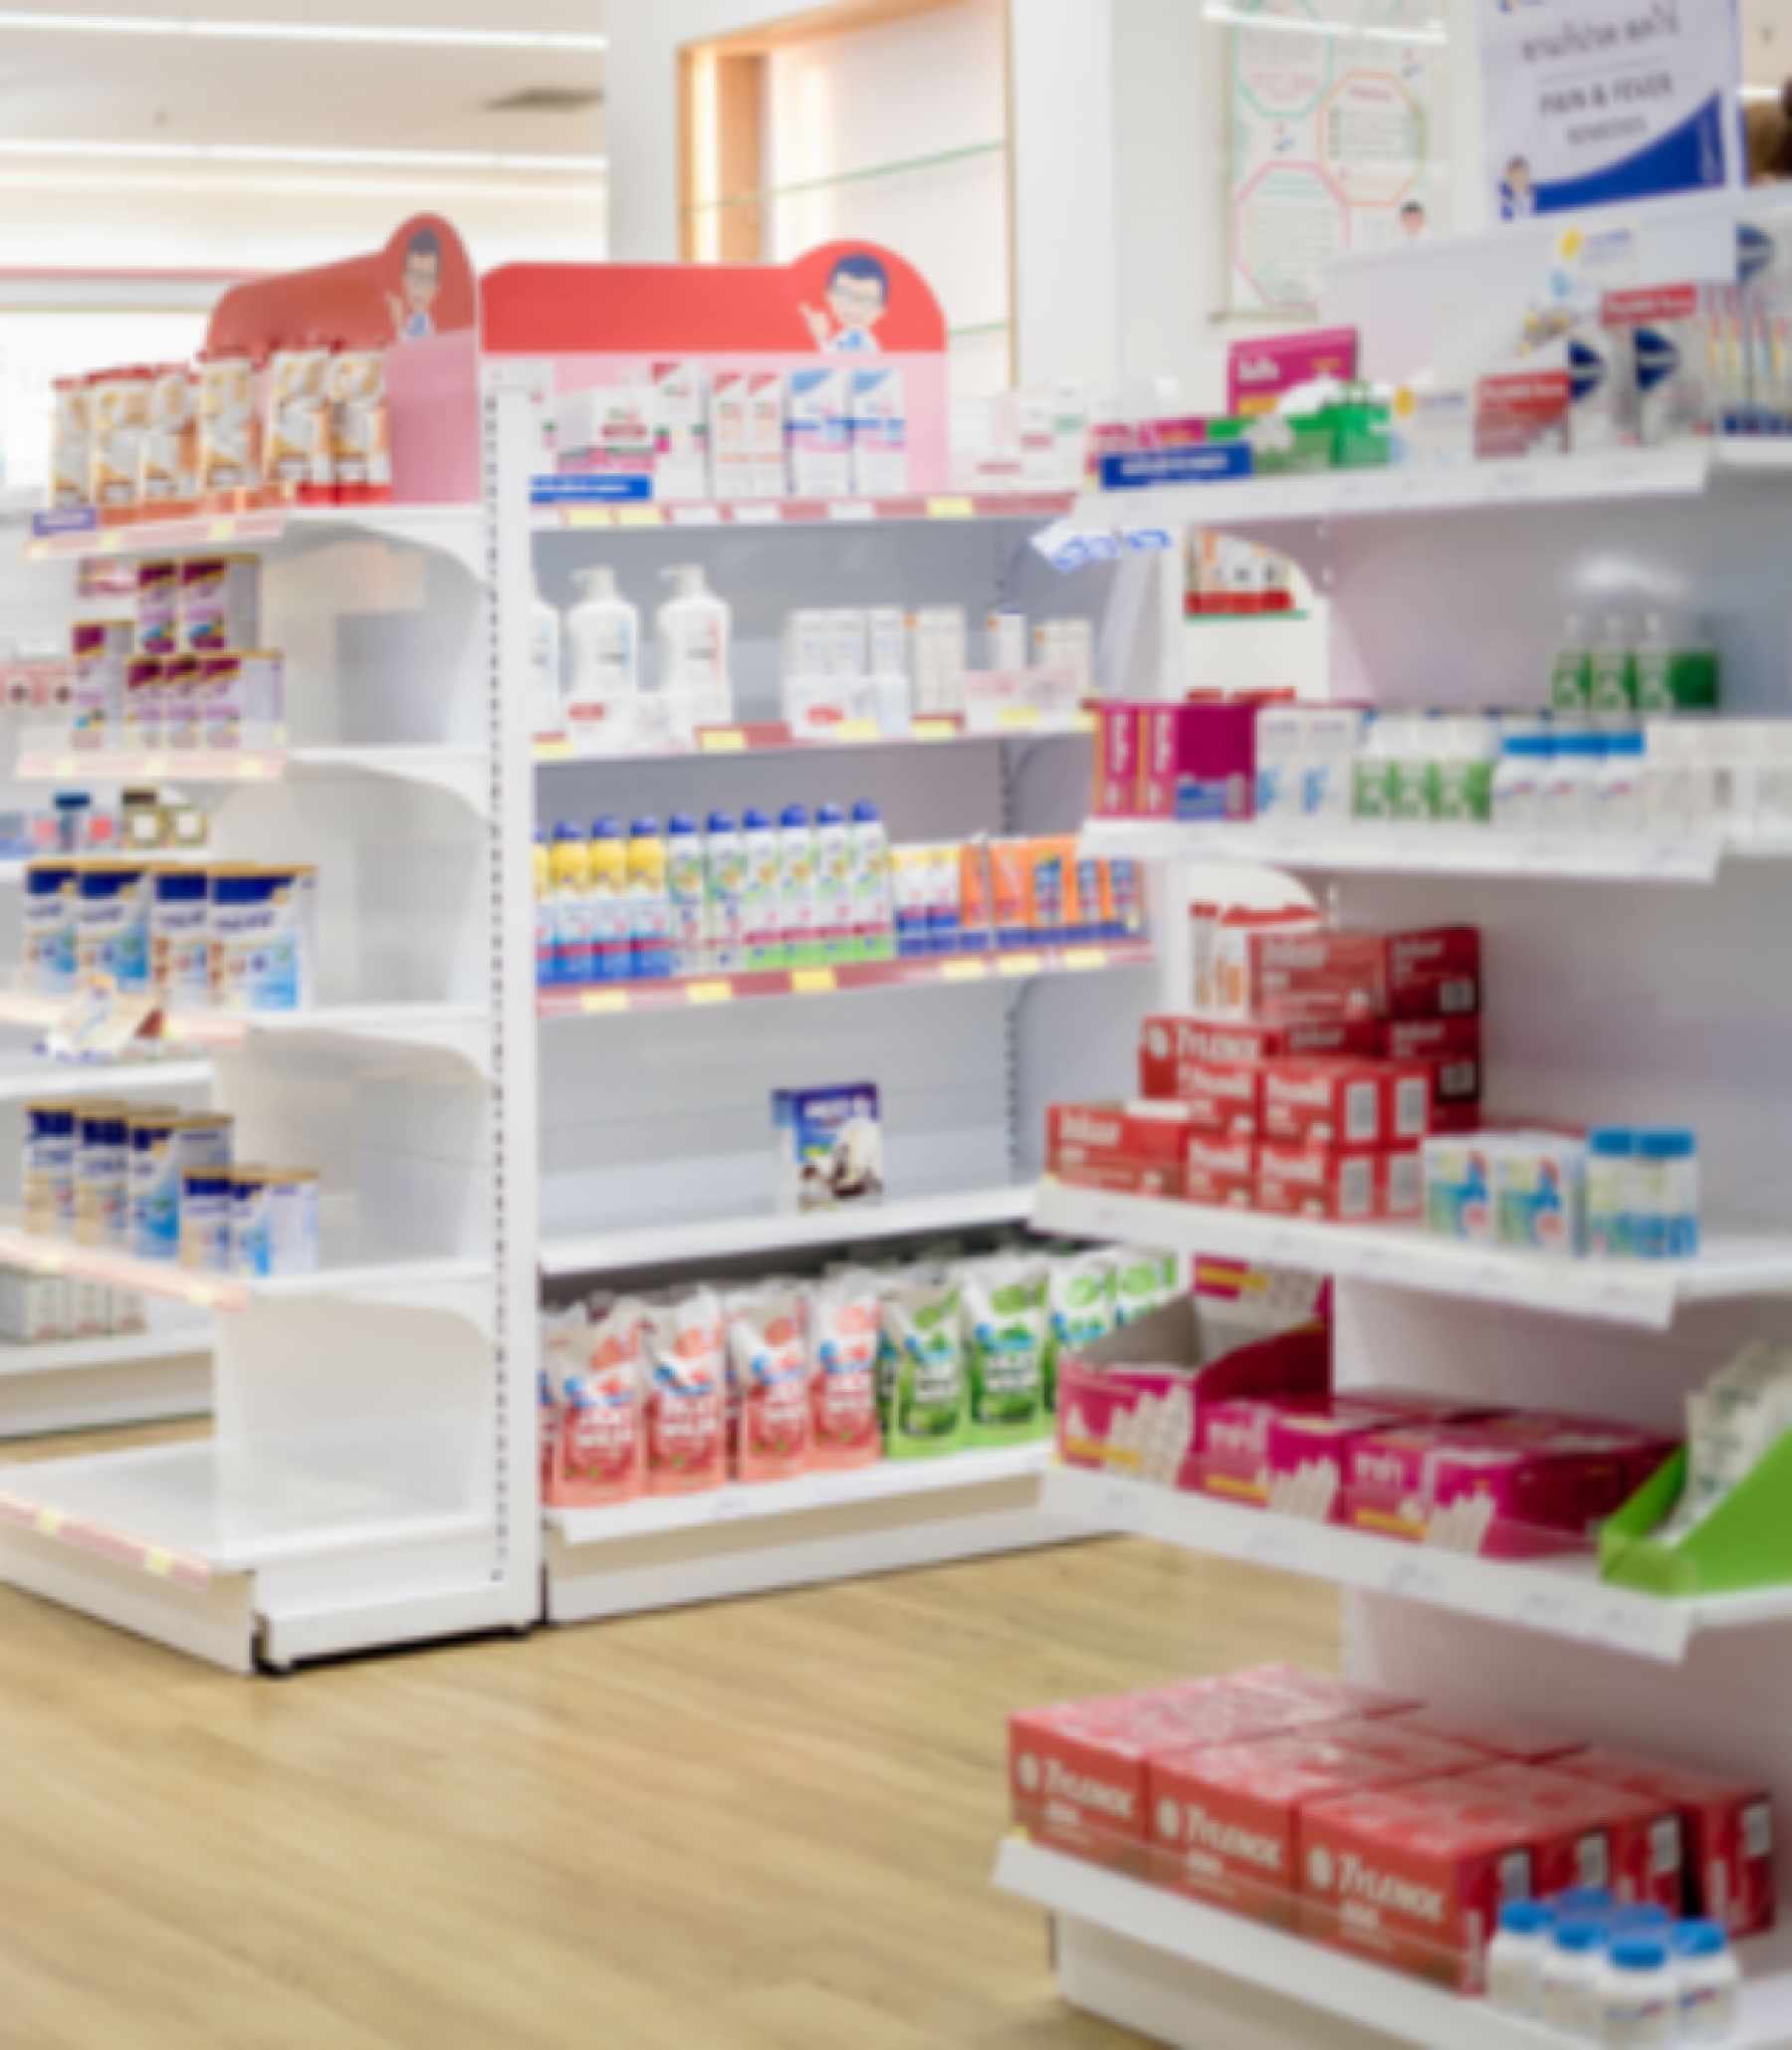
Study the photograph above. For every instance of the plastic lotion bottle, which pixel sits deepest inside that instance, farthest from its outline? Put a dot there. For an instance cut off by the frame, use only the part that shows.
(1570, 1999)
(1639, 1994)
(544, 663)
(763, 912)
(612, 927)
(686, 891)
(724, 892)
(873, 920)
(796, 887)
(1515, 1958)
(1618, 803)
(693, 639)
(604, 638)
(649, 911)
(833, 886)
(1708, 1983)
(1571, 786)
(572, 908)
(1518, 781)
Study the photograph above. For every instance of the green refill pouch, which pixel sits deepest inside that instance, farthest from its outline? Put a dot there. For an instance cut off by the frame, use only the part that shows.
(928, 1409)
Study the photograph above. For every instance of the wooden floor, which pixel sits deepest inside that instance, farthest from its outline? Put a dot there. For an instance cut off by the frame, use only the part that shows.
(764, 1826)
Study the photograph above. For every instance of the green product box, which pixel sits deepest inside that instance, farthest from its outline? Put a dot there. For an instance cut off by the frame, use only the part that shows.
(1416, 790)
(1465, 792)
(1742, 1543)
(1676, 680)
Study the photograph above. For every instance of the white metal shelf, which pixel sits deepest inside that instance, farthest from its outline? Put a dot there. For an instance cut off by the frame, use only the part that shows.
(24, 1077)
(1437, 851)
(1560, 1598)
(1535, 485)
(1182, 1933)
(462, 770)
(646, 516)
(783, 1232)
(191, 1512)
(1730, 1268)
(461, 1031)
(75, 1354)
(455, 530)
(811, 1494)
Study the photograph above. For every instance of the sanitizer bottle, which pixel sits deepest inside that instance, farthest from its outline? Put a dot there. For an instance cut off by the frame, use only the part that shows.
(604, 638)
(685, 890)
(763, 913)
(724, 889)
(649, 912)
(693, 640)
(797, 886)
(573, 964)
(873, 919)
(612, 924)
(544, 664)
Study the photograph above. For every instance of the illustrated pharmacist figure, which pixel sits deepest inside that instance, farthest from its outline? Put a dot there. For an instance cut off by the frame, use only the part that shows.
(1517, 192)
(423, 280)
(859, 297)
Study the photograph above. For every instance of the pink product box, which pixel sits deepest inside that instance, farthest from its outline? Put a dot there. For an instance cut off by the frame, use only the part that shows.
(1257, 374)
(1642, 1453)
(1199, 763)
(1119, 737)
(1282, 1451)
(1473, 1490)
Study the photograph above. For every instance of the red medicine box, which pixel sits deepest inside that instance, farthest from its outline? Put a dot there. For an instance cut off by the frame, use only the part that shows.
(1133, 1148)
(1642, 1833)
(1220, 1172)
(1451, 1047)
(1524, 413)
(1434, 974)
(1485, 1733)
(1349, 1106)
(1339, 1188)
(1727, 1828)
(1348, 1697)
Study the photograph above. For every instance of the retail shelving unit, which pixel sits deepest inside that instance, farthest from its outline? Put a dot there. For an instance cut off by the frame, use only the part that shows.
(369, 1478)
(1612, 994)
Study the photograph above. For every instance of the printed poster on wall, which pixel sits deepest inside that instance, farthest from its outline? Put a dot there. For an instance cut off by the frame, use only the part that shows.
(1591, 102)
(1337, 138)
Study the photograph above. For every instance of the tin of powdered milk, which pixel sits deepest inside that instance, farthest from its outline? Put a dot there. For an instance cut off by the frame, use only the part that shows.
(50, 1168)
(242, 701)
(262, 922)
(182, 702)
(102, 1175)
(220, 604)
(50, 891)
(111, 924)
(157, 601)
(180, 938)
(102, 648)
(207, 1205)
(162, 1150)
(141, 724)
(274, 1222)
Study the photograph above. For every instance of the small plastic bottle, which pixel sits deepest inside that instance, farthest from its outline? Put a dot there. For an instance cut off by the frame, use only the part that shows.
(1708, 1981)
(612, 930)
(1515, 1958)
(1571, 671)
(797, 886)
(649, 910)
(725, 885)
(1613, 670)
(686, 896)
(873, 920)
(1609, 1152)
(1639, 1996)
(763, 913)
(544, 664)
(1664, 1195)
(833, 886)
(1571, 788)
(1518, 783)
(1570, 1980)
(1619, 792)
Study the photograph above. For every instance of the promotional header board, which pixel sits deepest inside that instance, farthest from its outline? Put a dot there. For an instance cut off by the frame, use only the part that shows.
(1592, 102)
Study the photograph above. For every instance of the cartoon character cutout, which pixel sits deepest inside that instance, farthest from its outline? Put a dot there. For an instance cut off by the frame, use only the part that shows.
(1517, 192)
(412, 306)
(859, 297)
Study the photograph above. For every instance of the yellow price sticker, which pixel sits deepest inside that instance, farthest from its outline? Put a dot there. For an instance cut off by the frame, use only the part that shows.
(49, 1264)
(605, 1001)
(934, 729)
(1021, 964)
(709, 993)
(252, 765)
(221, 530)
(951, 509)
(1017, 718)
(1082, 722)
(586, 516)
(727, 740)
(639, 516)
(553, 751)
(815, 982)
(65, 764)
(1084, 958)
(202, 1298)
(155, 767)
(48, 1521)
(39, 551)
(963, 972)
(111, 543)
(857, 730)
(158, 1562)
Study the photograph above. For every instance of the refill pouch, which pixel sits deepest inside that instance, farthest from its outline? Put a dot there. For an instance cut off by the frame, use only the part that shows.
(768, 1361)
(602, 1445)
(928, 1406)
(1143, 1281)
(845, 1337)
(561, 1333)
(686, 1405)
(1003, 1321)
(1079, 1310)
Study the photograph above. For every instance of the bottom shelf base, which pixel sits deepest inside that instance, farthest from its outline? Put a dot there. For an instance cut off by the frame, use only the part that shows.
(745, 1541)
(1196, 1979)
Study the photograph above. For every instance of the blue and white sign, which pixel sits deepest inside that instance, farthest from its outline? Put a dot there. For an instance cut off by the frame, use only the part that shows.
(1590, 103)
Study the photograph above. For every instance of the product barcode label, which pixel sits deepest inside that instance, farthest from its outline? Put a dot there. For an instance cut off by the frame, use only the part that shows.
(1360, 1106)
(1515, 1877)
(1356, 1188)
(1757, 1831)
(1665, 1845)
(1412, 1107)
(1458, 1080)
(1592, 1857)
(1457, 998)
(1406, 1185)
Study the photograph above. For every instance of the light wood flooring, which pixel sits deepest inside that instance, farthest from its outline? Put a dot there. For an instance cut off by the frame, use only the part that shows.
(760, 1826)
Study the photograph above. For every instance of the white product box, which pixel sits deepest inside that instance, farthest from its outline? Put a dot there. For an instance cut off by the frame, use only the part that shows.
(818, 433)
(848, 644)
(816, 707)
(681, 464)
(35, 1309)
(731, 434)
(879, 428)
(765, 436)
(1433, 430)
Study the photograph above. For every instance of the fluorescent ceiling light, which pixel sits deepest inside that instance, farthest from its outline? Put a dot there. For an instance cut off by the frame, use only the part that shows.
(1349, 31)
(249, 153)
(297, 32)
(1762, 93)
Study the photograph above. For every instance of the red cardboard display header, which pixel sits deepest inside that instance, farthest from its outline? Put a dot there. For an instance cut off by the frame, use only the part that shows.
(421, 284)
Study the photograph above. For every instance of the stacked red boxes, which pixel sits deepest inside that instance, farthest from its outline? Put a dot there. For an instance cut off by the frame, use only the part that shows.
(1643, 1856)
(1137, 1149)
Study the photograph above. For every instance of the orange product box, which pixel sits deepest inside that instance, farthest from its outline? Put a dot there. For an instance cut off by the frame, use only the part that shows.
(1010, 888)
(975, 929)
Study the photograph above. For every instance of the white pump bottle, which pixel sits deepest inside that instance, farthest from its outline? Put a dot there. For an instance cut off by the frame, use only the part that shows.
(693, 642)
(604, 640)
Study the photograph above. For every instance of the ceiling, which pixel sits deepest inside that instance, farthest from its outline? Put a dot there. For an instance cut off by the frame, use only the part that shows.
(58, 87)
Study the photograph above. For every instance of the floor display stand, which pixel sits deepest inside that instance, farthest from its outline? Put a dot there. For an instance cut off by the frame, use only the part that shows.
(1641, 984)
